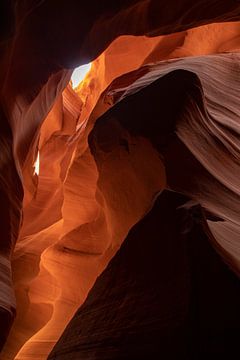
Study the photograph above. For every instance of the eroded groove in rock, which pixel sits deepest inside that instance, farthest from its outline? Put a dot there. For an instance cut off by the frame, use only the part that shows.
(167, 299)
(74, 216)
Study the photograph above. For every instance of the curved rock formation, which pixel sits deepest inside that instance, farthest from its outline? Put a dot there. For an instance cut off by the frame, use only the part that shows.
(174, 298)
(159, 109)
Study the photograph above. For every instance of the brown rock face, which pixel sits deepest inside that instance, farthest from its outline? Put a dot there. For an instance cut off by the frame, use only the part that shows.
(158, 110)
(168, 299)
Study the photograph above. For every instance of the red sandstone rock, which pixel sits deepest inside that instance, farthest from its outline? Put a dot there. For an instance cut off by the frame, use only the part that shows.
(78, 211)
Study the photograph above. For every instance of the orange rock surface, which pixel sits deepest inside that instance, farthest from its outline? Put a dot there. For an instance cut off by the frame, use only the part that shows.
(79, 209)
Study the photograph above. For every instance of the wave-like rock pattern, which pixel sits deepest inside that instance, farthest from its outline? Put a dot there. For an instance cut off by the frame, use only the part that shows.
(194, 110)
(75, 217)
(172, 297)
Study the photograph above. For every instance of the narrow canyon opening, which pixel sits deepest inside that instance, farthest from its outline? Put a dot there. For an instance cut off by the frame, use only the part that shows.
(119, 181)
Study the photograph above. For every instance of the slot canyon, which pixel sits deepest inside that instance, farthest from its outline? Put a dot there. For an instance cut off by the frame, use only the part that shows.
(119, 181)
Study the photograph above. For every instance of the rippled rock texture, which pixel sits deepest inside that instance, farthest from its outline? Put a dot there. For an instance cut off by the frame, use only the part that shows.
(158, 110)
(173, 299)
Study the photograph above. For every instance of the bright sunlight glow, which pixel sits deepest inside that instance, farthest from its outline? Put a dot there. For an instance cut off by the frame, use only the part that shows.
(37, 164)
(79, 74)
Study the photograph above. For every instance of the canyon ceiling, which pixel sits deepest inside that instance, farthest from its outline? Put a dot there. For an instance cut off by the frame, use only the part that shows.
(120, 197)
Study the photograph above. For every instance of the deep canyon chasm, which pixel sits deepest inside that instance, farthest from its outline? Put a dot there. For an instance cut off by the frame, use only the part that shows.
(119, 196)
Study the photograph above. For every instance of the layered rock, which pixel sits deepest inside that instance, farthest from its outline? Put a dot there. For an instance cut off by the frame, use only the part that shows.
(172, 297)
(79, 209)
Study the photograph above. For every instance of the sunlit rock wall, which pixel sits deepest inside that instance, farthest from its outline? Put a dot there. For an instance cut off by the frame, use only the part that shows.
(180, 132)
